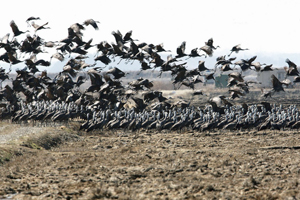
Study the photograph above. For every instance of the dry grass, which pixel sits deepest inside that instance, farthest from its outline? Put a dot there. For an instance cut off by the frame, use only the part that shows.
(32, 138)
(49, 140)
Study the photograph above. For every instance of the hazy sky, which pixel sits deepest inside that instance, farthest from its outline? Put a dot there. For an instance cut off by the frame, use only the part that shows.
(263, 26)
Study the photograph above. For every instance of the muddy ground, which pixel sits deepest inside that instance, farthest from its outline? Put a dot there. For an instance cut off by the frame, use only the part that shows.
(60, 163)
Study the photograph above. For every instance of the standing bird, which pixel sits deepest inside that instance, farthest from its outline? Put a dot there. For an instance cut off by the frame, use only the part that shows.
(236, 49)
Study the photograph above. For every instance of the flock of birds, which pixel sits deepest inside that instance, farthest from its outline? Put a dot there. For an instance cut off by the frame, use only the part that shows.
(108, 103)
(235, 117)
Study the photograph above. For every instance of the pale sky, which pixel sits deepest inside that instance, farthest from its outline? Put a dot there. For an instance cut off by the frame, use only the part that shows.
(263, 26)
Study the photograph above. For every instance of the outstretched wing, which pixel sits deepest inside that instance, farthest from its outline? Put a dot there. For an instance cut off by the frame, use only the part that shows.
(277, 85)
(14, 27)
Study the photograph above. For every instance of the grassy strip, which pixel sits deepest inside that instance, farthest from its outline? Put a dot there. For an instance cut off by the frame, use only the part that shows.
(46, 138)
(51, 139)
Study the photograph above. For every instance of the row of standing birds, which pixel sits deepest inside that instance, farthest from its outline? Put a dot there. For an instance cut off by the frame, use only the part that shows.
(106, 87)
(257, 116)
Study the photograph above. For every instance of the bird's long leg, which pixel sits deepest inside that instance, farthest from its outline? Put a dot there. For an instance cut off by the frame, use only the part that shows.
(127, 60)
(120, 61)
(139, 72)
(159, 74)
(174, 86)
(179, 86)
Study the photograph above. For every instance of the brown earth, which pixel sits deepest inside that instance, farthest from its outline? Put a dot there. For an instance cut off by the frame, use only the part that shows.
(60, 163)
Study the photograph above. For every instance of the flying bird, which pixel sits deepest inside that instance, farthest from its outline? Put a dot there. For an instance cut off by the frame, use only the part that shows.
(209, 48)
(297, 79)
(267, 68)
(237, 76)
(58, 56)
(180, 50)
(201, 66)
(236, 49)
(91, 22)
(31, 19)
(15, 29)
(292, 69)
(257, 66)
(39, 27)
(277, 85)
(194, 53)
(104, 59)
(116, 72)
(265, 93)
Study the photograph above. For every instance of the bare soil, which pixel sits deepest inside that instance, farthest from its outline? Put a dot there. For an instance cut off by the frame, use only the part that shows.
(150, 165)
